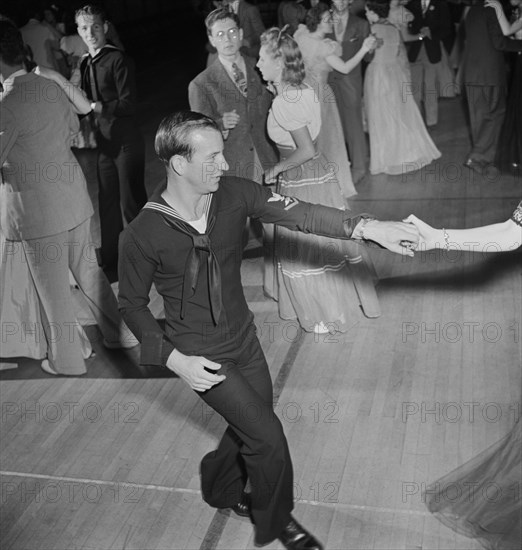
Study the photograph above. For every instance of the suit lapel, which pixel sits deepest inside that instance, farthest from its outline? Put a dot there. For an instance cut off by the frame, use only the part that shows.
(351, 31)
(252, 89)
(221, 74)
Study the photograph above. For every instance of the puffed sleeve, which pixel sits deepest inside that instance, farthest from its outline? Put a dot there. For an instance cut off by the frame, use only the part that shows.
(289, 113)
(332, 47)
(301, 30)
(406, 15)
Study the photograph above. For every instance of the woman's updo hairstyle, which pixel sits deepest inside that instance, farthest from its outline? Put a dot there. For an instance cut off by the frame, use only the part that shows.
(281, 45)
(315, 15)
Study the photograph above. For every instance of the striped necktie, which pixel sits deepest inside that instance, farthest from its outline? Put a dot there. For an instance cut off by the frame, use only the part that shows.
(239, 79)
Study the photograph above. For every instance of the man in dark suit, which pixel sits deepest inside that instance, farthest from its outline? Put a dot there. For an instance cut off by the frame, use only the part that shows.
(291, 13)
(250, 22)
(484, 76)
(430, 21)
(350, 31)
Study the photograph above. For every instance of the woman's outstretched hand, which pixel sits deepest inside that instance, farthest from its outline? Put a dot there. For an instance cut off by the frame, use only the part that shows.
(429, 237)
(399, 237)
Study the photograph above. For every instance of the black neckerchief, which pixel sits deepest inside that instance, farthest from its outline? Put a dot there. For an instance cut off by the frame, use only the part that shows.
(201, 248)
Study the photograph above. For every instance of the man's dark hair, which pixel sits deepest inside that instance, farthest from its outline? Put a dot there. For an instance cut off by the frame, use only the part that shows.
(173, 135)
(90, 10)
(12, 50)
(220, 14)
(314, 16)
(379, 7)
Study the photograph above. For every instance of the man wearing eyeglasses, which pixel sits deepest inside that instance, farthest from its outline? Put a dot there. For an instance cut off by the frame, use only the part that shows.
(231, 92)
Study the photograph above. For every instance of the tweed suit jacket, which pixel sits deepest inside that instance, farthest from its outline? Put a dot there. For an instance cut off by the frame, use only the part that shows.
(213, 93)
(357, 29)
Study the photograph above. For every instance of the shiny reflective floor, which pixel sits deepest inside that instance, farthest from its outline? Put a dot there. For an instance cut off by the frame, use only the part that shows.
(110, 460)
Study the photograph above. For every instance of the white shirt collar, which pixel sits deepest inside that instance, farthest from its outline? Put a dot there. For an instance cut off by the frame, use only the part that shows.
(228, 64)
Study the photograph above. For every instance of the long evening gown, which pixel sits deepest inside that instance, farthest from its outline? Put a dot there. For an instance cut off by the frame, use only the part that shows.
(399, 141)
(481, 499)
(331, 138)
(22, 315)
(318, 284)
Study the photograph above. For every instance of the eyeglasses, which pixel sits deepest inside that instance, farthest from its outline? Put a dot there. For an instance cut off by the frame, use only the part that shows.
(231, 33)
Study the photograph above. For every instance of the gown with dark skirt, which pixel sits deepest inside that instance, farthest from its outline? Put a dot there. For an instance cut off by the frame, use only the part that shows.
(331, 138)
(481, 499)
(317, 283)
(399, 141)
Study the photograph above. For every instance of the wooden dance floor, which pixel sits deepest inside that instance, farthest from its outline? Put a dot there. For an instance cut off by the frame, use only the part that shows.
(110, 460)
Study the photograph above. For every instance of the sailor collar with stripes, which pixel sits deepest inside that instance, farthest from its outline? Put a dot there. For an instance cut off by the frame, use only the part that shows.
(201, 253)
(200, 225)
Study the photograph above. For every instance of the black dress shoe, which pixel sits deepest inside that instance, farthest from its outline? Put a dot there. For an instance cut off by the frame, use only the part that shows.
(296, 537)
(244, 506)
(475, 165)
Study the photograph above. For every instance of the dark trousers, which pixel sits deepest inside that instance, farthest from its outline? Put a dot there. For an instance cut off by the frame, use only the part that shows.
(121, 174)
(487, 108)
(253, 446)
(88, 161)
(348, 96)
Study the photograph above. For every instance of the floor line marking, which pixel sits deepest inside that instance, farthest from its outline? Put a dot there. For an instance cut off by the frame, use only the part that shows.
(163, 488)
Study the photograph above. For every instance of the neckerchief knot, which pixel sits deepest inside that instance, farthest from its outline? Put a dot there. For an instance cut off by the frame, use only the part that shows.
(200, 254)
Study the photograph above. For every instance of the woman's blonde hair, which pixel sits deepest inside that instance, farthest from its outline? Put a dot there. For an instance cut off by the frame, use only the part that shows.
(281, 45)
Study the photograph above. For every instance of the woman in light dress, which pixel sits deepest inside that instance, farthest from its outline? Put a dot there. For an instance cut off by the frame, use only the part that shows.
(316, 286)
(322, 55)
(481, 498)
(34, 320)
(399, 141)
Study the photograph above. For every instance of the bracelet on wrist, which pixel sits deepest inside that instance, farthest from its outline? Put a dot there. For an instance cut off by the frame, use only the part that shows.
(446, 239)
(362, 225)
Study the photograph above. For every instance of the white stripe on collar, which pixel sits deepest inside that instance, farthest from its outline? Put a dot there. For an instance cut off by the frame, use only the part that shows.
(166, 209)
